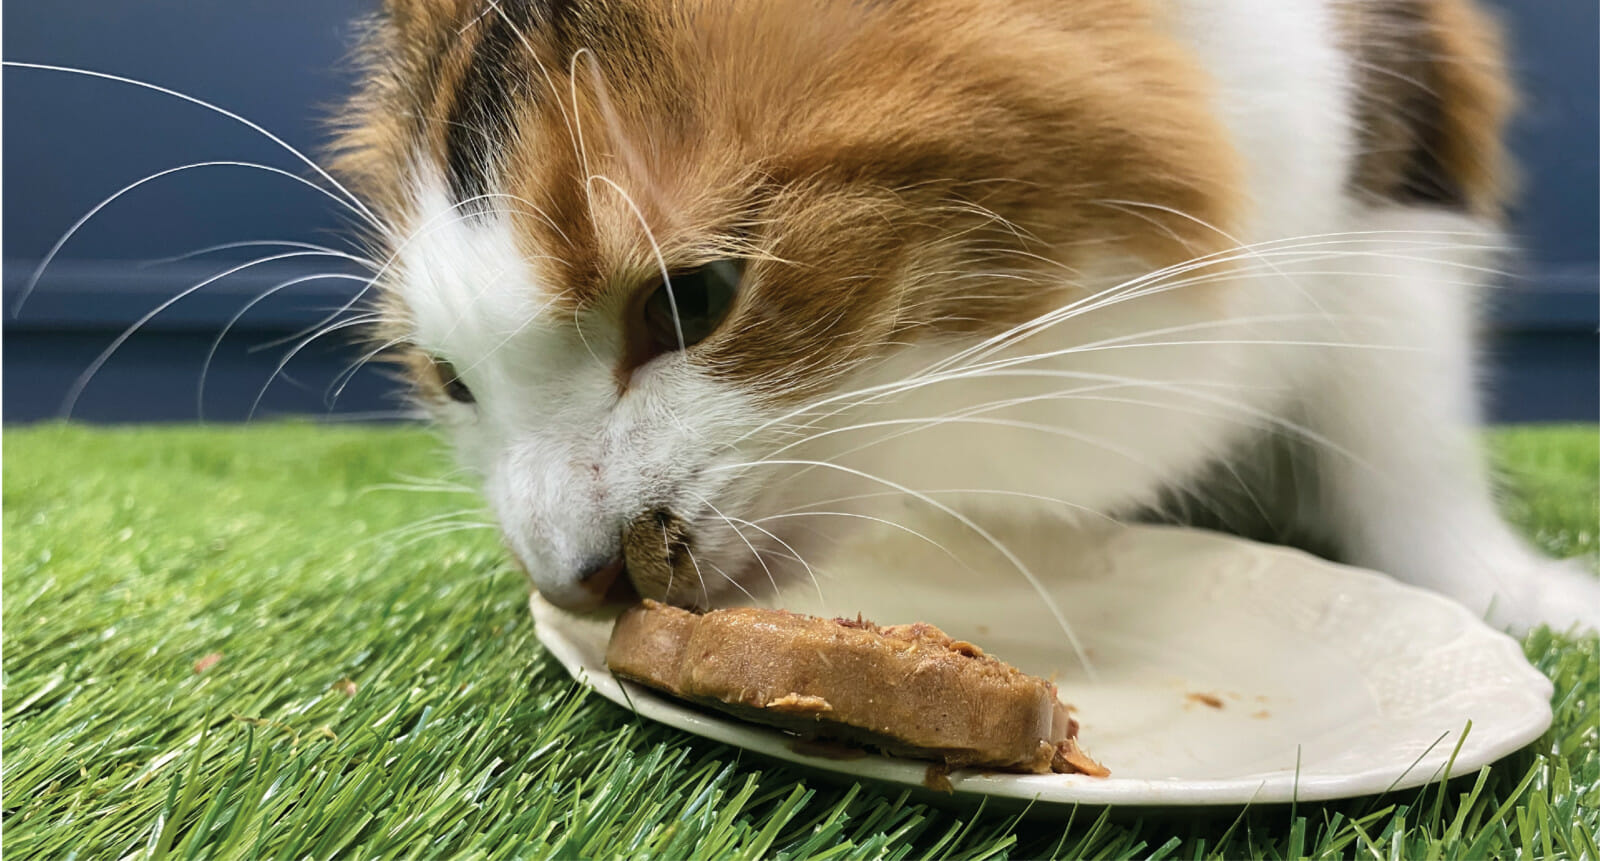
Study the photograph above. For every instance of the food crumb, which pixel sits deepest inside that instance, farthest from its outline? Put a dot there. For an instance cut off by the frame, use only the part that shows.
(345, 686)
(1211, 700)
(1261, 714)
(207, 662)
(800, 704)
(937, 778)
(1071, 759)
(966, 648)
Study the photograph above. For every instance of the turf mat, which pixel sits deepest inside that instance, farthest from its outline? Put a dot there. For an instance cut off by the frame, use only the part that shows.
(286, 640)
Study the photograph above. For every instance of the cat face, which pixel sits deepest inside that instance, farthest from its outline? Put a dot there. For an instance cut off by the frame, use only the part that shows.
(639, 247)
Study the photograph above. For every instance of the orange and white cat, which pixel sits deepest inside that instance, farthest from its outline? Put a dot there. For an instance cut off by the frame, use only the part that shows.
(676, 274)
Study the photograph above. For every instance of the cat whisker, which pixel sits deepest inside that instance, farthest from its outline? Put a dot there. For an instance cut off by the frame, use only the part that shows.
(705, 594)
(725, 519)
(570, 119)
(298, 348)
(445, 516)
(1267, 421)
(44, 263)
(365, 262)
(1102, 382)
(1134, 208)
(1074, 508)
(988, 537)
(105, 355)
(1150, 285)
(992, 367)
(418, 488)
(577, 126)
(216, 343)
(433, 526)
(348, 374)
(793, 554)
(1256, 251)
(436, 532)
(527, 323)
(1049, 319)
(453, 215)
(790, 515)
(349, 200)
(725, 576)
(655, 249)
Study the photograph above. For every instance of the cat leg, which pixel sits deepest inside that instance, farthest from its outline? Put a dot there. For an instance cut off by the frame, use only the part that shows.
(1401, 484)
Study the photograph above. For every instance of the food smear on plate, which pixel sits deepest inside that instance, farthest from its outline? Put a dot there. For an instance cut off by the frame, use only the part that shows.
(905, 690)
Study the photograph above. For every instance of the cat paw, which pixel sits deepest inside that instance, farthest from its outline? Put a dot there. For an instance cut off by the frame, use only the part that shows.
(1562, 594)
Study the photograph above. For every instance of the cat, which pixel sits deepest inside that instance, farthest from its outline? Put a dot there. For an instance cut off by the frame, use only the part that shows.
(694, 285)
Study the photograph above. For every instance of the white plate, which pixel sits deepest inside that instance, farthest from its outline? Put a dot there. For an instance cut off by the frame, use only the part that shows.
(1333, 681)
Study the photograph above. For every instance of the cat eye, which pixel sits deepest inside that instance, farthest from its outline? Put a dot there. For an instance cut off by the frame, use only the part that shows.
(451, 381)
(702, 299)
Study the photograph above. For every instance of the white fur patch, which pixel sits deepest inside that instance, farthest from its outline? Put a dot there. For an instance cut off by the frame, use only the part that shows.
(567, 459)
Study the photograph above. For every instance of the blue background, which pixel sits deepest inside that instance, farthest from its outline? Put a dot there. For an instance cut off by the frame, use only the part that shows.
(71, 141)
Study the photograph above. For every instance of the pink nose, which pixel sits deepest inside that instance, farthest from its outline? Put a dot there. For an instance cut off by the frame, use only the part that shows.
(601, 585)
(599, 581)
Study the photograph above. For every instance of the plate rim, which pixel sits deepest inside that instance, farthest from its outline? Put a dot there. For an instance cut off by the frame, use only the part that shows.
(1072, 789)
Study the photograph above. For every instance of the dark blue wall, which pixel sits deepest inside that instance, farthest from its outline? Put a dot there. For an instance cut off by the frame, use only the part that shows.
(71, 141)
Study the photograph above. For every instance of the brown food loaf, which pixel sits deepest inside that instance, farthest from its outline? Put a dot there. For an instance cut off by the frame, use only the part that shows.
(908, 690)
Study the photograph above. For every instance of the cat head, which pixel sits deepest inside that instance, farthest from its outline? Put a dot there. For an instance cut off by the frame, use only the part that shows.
(640, 250)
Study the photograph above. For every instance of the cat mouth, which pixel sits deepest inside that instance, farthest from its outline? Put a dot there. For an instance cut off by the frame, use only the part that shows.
(658, 557)
(654, 560)
(611, 585)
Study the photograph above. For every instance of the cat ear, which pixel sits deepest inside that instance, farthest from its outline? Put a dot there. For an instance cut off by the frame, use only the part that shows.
(414, 17)
(425, 6)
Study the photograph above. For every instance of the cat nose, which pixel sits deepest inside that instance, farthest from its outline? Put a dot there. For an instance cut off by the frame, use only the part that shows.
(598, 577)
(601, 581)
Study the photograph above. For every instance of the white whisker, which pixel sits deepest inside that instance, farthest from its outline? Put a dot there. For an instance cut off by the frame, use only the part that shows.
(350, 200)
(736, 531)
(1010, 556)
(55, 249)
(365, 262)
(790, 515)
(94, 367)
(655, 249)
(216, 344)
(289, 356)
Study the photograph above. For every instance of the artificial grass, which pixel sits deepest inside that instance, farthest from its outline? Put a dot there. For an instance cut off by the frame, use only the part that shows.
(234, 642)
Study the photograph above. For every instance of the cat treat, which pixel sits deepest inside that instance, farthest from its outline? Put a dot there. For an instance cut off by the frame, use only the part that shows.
(906, 690)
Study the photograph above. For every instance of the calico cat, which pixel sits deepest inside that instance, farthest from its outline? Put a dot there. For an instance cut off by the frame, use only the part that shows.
(696, 284)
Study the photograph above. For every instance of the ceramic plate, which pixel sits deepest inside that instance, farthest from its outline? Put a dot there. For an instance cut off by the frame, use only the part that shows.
(1223, 671)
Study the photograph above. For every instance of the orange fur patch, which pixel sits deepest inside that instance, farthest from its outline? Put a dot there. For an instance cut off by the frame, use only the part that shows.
(888, 172)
